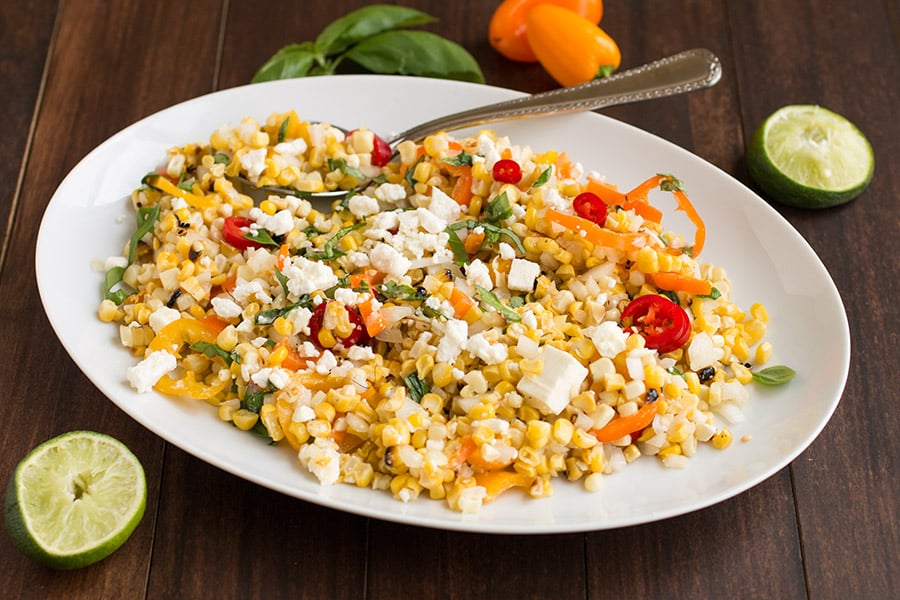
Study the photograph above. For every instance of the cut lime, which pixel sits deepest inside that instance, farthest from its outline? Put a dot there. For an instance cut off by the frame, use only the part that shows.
(810, 157)
(75, 499)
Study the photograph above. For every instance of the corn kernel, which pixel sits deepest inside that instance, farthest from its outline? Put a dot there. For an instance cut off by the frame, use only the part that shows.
(108, 311)
(562, 431)
(722, 439)
(763, 353)
(669, 451)
(244, 419)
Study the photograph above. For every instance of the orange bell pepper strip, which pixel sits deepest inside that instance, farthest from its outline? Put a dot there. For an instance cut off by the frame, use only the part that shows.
(284, 253)
(685, 206)
(597, 235)
(372, 318)
(676, 282)
(619, 427)
(497, 482)
(612, 197)
(461, 303)
(462, 189)
(473, 242)
(293, 361)
(370, 275)
(186, 331)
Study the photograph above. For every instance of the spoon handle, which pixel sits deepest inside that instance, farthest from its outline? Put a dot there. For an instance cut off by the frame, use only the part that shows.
(684, 72)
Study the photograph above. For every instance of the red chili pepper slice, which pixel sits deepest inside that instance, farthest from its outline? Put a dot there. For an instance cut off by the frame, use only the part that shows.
(588, 205)
(234, 230)
(357, 336)
(507, 171)
(663, 324)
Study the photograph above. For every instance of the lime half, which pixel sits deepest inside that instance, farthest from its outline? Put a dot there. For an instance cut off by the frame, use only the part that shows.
(810, 157)
(75, 499)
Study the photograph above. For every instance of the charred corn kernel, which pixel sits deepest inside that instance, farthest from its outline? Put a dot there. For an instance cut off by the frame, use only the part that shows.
(482, 410)
(319, 428)
(268, 207)
(562, 431)
(283, 326)
(244, 419)
(722, 439)
(277, 356)
(442, 374)
(759, 312)
(299, 431)
(763, 353)
(424, 365)
(741, 373)
(269, 418)
(108, 311)
(583, 439)
(678, 433)
(669, 451)
(325, 411)
(631, 453)
(648, 260)
(531, 366)
(226, 411)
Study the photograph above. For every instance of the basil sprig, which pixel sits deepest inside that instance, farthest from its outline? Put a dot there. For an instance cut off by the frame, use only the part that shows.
(147, 216)
(489, 298)
(376, 38)
(776, 375)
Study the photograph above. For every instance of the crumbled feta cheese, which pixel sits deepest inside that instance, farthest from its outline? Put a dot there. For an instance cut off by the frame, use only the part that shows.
(488, 150)
(455, 334)
(443, 206)
(244, 290)
(254, 162)
(281, 223)
(558, 382)
(507, 252)
(162, 316)
(491, 354)
(608, 338)
(385, 258)
(146, 373)
(363, 206)
(390, 193)
(477, 273)
(294, 147)
(522, 275)
(326, 362)
(306, 276)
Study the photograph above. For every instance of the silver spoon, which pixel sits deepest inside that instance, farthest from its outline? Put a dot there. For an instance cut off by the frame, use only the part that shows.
(677, 74)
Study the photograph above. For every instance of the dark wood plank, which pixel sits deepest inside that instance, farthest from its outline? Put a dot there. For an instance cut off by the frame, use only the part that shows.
(91, 92)
(26, 29)
(845, 58)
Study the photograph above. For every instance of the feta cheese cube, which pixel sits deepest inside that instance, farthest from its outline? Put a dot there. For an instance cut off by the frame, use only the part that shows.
(559, 381)
(522, 275)
(146, 373)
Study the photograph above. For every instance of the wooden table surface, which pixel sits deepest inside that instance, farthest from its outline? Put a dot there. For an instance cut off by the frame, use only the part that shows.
(77, 71)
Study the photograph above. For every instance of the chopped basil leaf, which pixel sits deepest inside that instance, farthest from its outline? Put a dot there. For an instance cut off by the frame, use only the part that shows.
(282, 131)
(267, 317)
(491, 300)
(220, 158)
(460, 256)
(213, 351)
(253, 401)
(776, 375)
(340, 164)
(417, 388)
(113, 278)
(463, 159)
(186, 183)
(261, 236)
(396, 291)
(408, 177)
(543, 178)
(330, 250)
(516, 302)
(491, 230)
(146, 217)
(282, 279)
(498, 209)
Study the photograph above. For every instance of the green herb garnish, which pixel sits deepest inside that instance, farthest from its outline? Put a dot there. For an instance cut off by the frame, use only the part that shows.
(489, 298)
(417, 388)
(776, 375)
(214, 351)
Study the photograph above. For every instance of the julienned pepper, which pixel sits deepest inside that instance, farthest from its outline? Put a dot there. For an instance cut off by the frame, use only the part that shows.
(186, 331)
(571, 48)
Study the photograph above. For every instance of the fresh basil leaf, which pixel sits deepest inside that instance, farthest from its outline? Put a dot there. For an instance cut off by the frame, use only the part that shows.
(330, 250)
(146, 218)
(340, 164)
(463, 159)
(417, 388)
(294, 60)
(113, 279)
(261, 236)
(267, 317)
(396, 291)
(213, 351)
(516, 302)
(186, 184)
(254, 400)
(493, 301)
(776, 375)
(282, 130)
(489, 228)
(282, 280)
(408, 177)
(498, 209)
(419, 53)
(360, 24)
(460, 256)
(220, 158)
(543, 178)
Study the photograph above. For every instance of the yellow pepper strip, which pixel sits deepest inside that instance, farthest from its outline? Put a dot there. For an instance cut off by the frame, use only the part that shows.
(198, 202)
(186, 331)
(599, 236)
(190, 387)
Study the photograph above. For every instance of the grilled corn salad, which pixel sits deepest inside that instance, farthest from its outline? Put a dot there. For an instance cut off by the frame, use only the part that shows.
(480, 317)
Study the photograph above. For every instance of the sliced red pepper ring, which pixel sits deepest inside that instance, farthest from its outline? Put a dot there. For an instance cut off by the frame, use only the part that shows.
(233, 231)
(590, 206)
(358, 334)
(507, 171)
(664, 325)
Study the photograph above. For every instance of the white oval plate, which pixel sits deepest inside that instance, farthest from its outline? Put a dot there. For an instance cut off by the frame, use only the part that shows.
(89, 219)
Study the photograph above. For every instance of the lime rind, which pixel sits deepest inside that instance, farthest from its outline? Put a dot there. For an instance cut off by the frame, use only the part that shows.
(810, 157)
(75, 499)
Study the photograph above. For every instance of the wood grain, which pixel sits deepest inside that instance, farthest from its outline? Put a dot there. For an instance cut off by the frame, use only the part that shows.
(825, 527)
